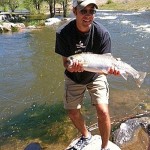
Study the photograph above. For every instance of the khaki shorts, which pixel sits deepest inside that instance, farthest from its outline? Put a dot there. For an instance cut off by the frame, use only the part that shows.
(74, 93)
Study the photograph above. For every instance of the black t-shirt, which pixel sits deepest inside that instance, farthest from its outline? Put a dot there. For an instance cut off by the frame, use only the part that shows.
(70, 41)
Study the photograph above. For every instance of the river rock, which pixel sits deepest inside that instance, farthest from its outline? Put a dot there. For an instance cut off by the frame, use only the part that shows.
(20, 25)
(8, 26)
(51, 21)
(1, 28)
(133, 133)
(33, 146)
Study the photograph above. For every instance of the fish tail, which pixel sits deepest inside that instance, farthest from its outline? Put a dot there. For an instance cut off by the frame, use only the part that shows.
(140, 78)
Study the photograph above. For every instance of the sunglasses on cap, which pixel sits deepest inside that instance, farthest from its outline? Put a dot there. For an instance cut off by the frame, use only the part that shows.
(91, 11)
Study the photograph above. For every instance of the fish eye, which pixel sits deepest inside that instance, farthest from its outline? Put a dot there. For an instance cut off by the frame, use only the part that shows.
(71, 58)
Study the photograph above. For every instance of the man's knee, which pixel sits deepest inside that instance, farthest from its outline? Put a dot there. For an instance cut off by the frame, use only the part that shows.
(103, 114)
(102, 111)
(74, 113)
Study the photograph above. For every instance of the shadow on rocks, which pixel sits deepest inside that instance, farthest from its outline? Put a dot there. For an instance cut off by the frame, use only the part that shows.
(33, 146)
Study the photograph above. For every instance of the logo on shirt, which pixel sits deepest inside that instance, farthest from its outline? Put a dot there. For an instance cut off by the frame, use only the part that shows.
(79, 47)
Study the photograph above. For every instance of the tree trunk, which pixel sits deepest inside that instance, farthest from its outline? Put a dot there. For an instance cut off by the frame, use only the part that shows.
(38, 7)
(54, 7)
(51, 8)
(65, 8)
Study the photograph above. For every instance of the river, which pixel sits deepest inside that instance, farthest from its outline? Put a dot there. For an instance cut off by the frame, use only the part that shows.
(31, 78)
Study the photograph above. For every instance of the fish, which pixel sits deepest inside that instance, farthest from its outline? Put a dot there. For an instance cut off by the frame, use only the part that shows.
(103, 62)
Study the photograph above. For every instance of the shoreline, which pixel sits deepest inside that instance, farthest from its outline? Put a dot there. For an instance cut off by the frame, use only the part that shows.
(125, 5)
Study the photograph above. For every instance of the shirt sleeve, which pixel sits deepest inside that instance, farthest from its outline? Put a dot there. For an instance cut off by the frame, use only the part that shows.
(106, 43)
(60, 45)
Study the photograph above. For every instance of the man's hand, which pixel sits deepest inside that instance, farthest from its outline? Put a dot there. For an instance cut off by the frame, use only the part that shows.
(114, 71)
(76, 66)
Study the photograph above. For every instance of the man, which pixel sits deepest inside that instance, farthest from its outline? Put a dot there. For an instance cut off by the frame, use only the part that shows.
(85, 35)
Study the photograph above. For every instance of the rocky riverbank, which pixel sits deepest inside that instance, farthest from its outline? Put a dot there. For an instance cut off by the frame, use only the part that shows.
(15, 27)
(8, 26)
(126, 5)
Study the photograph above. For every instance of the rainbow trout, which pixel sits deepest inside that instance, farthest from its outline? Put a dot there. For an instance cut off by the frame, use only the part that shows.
(97, 63)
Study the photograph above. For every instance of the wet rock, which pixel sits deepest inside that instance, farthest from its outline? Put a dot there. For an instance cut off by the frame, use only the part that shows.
(20, 25)
(146, 128)
(131, 133)
(33, 146)
(8, 26)
(31, 27)
(1, 28)
(51, 21)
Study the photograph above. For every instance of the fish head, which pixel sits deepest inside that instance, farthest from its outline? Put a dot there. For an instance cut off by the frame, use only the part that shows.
(74, 58)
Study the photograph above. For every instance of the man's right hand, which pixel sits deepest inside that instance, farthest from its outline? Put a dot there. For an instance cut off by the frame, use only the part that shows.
(76, 66)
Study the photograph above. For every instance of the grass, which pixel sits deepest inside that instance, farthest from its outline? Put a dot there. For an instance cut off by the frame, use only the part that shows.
(129, 6)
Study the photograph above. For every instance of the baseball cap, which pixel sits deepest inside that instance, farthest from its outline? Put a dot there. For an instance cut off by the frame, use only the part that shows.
(83, 3)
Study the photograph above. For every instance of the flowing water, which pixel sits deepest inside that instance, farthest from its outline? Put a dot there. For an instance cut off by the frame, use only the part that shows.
(31, 74)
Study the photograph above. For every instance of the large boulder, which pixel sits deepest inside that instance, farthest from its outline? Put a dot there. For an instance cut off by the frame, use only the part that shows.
(133, 133)
(8, 26)
(1, 28)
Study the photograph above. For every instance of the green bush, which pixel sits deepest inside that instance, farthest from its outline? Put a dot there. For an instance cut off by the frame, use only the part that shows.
(109, 1)
(37, 17)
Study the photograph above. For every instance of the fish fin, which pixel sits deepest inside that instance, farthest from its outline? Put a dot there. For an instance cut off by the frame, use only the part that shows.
(87, 53)
(140, 79)
(107, 54)
(118, 59)
(124, 75)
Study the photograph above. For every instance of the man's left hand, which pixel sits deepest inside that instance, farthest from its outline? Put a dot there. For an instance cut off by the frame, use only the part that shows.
(114, 71)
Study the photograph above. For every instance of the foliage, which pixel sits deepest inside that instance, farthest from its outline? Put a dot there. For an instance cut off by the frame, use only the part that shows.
(3, 3)
(130, 5)
(14, 29)
(34, 6)
(109, 1)
(12, 4)
(35, 23)
(28, 4)
(36, 20)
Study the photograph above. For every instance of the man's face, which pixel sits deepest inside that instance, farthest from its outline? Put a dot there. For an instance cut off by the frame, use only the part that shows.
(85, 17)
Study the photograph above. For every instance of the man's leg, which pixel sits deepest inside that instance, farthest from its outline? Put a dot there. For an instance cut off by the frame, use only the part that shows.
(77, 119)
(103, 123)
(99, 92)
(74, 94)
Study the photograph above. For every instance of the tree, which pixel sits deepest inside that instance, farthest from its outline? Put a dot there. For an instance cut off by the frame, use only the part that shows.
(30, 4)
(51, 7)
(37, 4)
(3, 3)
(65, 4)
(52, 4)
(13, 4)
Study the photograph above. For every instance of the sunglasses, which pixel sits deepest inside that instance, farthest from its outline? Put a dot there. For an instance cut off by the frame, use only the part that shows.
(85, 12)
